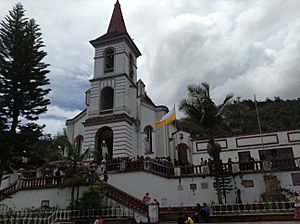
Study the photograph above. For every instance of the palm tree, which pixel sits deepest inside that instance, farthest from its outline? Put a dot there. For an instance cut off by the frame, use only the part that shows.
(72, 163)
(202, 112)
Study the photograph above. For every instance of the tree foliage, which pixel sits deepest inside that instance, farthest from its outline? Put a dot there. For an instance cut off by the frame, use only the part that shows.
(23, 89)
(203, 113)
(73, 165)
(22, 71)
(275, 115)
(94, 197)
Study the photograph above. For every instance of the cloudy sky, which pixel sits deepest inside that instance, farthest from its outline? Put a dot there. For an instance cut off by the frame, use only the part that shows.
(243, 47)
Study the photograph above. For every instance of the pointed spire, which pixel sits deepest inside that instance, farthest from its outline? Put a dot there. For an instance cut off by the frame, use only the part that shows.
(117, 23)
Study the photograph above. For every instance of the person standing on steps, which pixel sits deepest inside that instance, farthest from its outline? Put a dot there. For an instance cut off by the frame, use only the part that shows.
(146, 199)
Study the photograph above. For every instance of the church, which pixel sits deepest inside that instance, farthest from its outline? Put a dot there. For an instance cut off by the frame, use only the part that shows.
(119, 113)
(118, 122)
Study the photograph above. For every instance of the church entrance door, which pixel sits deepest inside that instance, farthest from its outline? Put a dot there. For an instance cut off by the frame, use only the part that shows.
(182, 153)
(104, 136)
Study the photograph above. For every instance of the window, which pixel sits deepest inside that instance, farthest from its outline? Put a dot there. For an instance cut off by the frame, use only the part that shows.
(148, 139)
(107, 98)
(45, 203)
(131, 71)
(204, 185)
(109, 60)
(276, 154)
(87, 97)
(78, 143)
(296, 178)
(244, 156)
(282, 158)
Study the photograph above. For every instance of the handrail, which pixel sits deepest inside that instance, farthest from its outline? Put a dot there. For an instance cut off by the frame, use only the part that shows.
(51, 216)
(9, 190)
(127, 199)
(30, 183)
(257, 208)
(238, 209)
(206, 170)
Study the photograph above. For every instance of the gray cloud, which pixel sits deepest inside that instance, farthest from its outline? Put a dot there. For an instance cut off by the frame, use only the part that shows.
(243, 47)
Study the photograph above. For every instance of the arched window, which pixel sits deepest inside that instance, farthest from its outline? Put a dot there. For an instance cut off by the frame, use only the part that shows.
(131, 71)
(148, 139)
(109, 60)
(78, 144)
(107, 98)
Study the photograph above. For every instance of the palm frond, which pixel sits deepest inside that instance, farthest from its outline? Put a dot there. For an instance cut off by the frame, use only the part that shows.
(226, 102)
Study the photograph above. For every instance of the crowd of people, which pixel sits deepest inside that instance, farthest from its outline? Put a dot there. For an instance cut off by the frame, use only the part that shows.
(165, 160)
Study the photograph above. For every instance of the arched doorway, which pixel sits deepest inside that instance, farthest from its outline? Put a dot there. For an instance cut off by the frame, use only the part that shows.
(182, 150)
(104, 134)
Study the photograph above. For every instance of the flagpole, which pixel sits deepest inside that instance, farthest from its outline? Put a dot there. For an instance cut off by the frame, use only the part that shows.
(176, 139)
(258, 121)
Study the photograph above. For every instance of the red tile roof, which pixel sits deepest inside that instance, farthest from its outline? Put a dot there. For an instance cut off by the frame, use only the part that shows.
(117, 23)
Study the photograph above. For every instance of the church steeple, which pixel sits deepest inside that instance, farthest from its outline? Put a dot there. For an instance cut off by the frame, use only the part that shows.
(115, 51)
(117, 23)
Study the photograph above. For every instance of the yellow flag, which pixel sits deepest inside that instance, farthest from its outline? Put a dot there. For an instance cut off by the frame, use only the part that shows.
(167, 118)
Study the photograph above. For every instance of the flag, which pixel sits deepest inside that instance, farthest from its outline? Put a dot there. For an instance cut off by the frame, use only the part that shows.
(167, 118)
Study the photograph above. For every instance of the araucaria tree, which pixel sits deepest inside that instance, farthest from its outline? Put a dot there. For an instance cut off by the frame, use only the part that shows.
(22, 72)
(202, 112)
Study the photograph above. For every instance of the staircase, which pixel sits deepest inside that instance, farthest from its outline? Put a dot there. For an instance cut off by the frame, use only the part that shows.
(50, 182)
(126, 199)
(8, 191)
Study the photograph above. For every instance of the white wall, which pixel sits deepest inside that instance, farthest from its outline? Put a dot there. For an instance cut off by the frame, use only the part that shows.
(166, 190)
(75, 126)
(57, 197)
(233, 145)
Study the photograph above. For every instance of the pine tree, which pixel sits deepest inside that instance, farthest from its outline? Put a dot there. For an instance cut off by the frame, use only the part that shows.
(225, 180)
(22, 72)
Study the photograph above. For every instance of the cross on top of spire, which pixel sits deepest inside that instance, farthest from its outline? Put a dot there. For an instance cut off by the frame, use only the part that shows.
(117, 23)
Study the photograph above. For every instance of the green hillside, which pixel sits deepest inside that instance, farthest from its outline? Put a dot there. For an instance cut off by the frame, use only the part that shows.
(275, 115)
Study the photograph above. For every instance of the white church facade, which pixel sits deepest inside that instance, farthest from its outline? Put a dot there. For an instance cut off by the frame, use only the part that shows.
(118, 109)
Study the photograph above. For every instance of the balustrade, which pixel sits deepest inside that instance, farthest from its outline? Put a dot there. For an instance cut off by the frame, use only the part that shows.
(160, 169)
(8, 191)
(49, 216)
(39, 182)
(257, 208)
(234, 168)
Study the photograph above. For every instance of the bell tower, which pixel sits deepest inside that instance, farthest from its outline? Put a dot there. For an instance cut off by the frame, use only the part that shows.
(115, 70)
(111, 100)
(115, 51)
